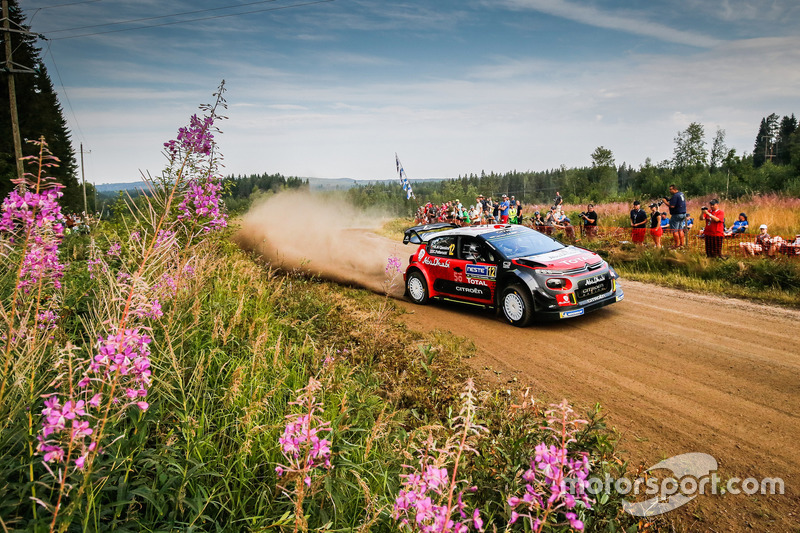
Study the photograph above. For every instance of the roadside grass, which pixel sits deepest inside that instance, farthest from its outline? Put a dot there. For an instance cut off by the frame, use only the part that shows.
(768, 280)
(233, 345)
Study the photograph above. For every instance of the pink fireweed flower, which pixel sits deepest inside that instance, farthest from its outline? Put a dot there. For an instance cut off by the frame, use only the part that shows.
(557, 479)
(114, 250)
(35, 219)
(393, 265)
(201, 204)
(124, 356)
(301, 442)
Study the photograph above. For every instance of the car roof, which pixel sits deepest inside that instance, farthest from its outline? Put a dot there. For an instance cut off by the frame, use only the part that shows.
(470, 230)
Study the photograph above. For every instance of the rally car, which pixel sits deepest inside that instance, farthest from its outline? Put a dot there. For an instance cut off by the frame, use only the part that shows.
(523, 273)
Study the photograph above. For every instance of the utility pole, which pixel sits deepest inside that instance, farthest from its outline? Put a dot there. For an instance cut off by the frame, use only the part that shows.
(768, 147)
(83, 179)
(12, 93)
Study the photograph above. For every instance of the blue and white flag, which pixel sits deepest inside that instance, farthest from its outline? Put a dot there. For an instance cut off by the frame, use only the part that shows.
(404, 179)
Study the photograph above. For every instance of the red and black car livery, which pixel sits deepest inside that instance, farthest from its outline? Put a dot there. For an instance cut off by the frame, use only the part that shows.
(521, 272)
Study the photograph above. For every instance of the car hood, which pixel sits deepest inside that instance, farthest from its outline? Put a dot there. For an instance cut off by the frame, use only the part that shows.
(565, 258)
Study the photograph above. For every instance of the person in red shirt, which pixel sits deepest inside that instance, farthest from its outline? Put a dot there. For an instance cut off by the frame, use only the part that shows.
(715, 228)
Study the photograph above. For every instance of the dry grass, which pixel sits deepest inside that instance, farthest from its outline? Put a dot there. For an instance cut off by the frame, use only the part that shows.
(780, 213)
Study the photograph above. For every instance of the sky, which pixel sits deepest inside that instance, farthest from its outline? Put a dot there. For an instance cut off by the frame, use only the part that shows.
(333, 89)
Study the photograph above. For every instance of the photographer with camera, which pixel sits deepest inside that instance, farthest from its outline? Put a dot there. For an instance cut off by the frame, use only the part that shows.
(715, 228)
(589, 219)
(677, 212)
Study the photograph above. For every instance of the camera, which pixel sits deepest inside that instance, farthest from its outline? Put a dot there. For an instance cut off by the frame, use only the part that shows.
(704, 208)
(660, 203)
(582, 214)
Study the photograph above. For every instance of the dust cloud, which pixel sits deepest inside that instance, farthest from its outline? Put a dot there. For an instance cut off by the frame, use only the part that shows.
(324, 236)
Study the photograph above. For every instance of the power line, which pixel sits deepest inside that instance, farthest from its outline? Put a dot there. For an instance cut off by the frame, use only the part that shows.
(194, 20)
(65, 5)
(66, 96)
(161, 16)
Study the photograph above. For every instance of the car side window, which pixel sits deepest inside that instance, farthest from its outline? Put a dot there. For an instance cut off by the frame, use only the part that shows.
(473, 249)
(444, 246)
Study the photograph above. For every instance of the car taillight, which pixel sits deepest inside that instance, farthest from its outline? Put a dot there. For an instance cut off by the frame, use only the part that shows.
(559, 284)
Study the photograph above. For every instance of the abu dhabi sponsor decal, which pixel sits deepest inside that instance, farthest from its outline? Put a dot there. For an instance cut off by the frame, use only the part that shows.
(436, 262)
(570, 314)
(594, 280)
(481, 271)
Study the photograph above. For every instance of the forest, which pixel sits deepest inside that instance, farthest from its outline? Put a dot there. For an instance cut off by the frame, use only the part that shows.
(696, 168)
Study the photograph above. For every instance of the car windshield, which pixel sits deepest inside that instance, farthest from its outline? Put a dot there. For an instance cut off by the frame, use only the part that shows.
(521, 242)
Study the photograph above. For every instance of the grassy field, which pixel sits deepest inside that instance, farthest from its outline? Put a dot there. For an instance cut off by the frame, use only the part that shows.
(236, 346)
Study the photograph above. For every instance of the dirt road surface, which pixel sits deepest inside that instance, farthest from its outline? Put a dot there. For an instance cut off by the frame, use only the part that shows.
(676, 373)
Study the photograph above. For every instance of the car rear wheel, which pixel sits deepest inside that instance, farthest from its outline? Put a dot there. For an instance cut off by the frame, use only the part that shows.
(517, 306)
(417, 288)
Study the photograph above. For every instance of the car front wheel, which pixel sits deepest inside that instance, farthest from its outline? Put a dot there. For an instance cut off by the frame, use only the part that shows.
(517, 306)
(417, 288)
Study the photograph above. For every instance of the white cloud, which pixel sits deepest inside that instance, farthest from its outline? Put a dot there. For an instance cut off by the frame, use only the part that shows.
(622, 21)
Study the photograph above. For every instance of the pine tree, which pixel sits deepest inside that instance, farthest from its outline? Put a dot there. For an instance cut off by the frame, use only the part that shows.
(782, 146)
(40, 115)
(765, 140)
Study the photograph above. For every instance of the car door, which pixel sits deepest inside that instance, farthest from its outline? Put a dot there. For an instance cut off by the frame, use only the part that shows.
(439, 263)
(478, 277)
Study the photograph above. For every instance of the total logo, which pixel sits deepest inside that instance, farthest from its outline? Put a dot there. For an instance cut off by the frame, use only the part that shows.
(477, 282)
(436, 262)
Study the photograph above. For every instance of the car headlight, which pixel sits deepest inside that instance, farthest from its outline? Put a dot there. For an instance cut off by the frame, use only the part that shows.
(559, 284)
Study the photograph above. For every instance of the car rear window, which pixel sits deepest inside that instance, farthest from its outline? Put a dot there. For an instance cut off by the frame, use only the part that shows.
(521, 242)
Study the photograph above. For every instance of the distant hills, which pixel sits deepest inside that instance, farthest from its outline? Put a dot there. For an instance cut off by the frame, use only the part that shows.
(314, 184)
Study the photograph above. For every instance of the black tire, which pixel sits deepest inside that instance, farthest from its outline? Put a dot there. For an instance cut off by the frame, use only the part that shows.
(516, 305)
(417, 288)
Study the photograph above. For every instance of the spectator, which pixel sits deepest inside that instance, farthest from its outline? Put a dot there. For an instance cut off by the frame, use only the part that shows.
(689, 224)
(664, 220)
(550, 221)
(715, 228)
(791, 247)
(538, 222)
(488, 210)
(558, 200)
(638, 223)
(504, 207)
(762, 242)
(563, 222)
(739, 226)
(677, 212)
(519, 209)
(656, 228)
(590, 222)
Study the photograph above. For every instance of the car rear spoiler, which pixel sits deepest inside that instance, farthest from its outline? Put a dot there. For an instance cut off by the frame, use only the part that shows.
(417, 234)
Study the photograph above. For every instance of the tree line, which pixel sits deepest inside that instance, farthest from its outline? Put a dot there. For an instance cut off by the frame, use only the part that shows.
(40, 115)
(697, 168)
